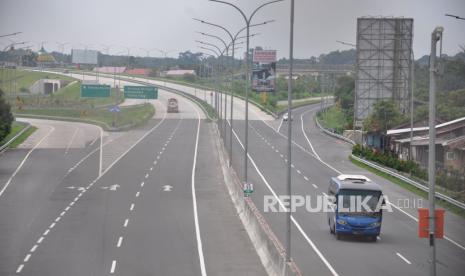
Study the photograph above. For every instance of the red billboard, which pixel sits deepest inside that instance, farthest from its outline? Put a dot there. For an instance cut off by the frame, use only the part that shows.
(264, 56)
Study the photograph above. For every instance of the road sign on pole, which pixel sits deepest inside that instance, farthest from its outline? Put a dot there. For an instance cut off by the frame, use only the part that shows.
(95, 91)
(140, 92)
(114, 109)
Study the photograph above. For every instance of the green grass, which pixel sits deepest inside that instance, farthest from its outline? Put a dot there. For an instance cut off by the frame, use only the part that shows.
(18, 141)
(334, 118)
(409, 187)
(24, 79)
(280, 108)
(15, 128)
(72, 92)
(129, 117)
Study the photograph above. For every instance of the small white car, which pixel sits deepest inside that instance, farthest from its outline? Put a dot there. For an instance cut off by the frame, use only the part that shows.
(286, 117)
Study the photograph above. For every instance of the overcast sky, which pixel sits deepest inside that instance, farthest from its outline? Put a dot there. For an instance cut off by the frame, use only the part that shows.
(168, 24)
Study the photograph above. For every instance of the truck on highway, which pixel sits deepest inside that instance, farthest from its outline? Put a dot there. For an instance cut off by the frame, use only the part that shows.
(347, 215)
(173, 105)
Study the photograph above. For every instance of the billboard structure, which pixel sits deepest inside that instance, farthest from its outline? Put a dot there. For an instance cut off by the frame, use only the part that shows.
(84, 56)
(384, 63)
(264, 70)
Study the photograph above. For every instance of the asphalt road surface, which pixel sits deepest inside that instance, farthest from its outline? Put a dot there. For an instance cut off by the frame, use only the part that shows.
(316, 158)
(151, 202)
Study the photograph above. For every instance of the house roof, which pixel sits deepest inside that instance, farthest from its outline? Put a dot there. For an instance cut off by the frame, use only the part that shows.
(404, 130)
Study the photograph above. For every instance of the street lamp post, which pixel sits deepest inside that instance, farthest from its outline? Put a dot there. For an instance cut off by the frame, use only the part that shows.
(217, 55)
(220, 55)
(247, 23)
(233, 38)
(226, 47)
(433, 72)
(289, 132)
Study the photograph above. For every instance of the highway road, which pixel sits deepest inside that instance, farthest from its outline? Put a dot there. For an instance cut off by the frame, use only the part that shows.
(152, 203)
(316, 158)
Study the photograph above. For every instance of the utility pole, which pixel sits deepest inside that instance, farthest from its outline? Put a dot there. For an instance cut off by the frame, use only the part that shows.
(433, 73)
(289, 133)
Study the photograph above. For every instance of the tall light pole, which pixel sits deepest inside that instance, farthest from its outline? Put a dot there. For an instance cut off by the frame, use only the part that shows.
(217, 55)
(289, 132)
(220, 54)
(226, 47)
(233, 38)
(433, 73)
(247, 23)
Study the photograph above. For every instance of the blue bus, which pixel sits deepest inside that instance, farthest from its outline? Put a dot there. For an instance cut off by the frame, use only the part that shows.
(346, 215)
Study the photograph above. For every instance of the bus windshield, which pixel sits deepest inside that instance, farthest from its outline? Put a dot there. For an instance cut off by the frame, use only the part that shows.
(349, 200)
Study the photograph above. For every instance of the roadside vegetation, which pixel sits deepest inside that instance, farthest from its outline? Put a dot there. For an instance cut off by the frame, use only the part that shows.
(6, 118)
(303, 88)
(129, 117)
(411, 188)
(21, 138)
(19, 81)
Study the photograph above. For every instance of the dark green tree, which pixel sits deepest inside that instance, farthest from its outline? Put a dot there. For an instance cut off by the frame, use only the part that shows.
(6, 118)
(384, 116)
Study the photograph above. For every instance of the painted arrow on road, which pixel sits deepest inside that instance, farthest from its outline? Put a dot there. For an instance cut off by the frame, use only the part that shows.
(111, 188)
(167, 188)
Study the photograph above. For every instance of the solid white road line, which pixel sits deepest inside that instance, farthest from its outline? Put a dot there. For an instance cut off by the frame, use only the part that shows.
(71, 140)
(280, 124)
(403, 258)
(24, 160)
(305, 134)
(194, 199)
(101, 152)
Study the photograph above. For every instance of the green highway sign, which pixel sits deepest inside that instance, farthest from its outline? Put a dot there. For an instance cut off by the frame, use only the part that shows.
(140, 92)
(95, 91)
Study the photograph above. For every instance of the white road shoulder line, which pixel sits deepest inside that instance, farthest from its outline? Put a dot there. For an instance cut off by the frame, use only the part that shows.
(24, 160)
(403, 258)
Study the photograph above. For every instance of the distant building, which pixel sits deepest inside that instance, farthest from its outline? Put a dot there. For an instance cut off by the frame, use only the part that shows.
(45, 59)
(450, 144)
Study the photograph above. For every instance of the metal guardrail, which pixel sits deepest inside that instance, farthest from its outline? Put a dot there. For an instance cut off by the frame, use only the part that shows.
(4, 146)
(391, 172)
(350, 141)
(410, 181)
